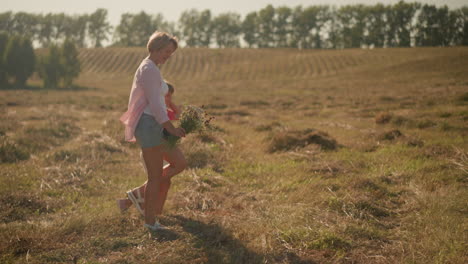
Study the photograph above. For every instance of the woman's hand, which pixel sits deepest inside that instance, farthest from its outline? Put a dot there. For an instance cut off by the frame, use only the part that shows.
(179, 132)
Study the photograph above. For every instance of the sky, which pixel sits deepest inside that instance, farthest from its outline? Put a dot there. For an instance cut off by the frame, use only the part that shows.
(171, 9)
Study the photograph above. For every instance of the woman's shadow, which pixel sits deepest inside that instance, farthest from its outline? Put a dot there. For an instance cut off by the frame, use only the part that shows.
(222, 247)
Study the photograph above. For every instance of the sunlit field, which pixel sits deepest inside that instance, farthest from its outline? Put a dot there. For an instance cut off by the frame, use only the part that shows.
(316, 156)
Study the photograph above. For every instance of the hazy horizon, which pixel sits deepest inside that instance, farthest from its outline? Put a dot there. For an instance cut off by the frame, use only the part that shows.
(172, 10)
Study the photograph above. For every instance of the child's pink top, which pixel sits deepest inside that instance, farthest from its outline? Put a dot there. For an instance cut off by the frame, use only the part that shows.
(146, 90)
(171, 114)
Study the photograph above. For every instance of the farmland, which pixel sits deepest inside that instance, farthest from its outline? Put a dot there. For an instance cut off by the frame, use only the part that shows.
(316, 156)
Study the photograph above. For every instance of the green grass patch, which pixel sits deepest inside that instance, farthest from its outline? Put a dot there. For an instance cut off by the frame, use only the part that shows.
(20, 207)
(310, 238)
(11, 152)
(40, 138)
(366, 232)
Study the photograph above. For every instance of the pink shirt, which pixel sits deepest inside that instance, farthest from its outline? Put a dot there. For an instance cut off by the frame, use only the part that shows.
(146, 91)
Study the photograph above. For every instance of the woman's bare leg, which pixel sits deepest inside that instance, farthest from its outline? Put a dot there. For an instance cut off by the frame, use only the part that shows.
(177, 164)
(125, 203)
(153, 158)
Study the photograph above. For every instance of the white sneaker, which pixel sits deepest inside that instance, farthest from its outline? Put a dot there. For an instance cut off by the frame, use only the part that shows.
(156, 227)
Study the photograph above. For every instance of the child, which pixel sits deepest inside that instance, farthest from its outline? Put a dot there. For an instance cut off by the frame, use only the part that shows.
(173, 111)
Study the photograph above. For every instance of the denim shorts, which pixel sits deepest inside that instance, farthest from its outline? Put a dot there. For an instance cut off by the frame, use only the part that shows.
(148, 132)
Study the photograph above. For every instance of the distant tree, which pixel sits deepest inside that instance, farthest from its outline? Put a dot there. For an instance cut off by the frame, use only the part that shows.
(74, 29)
(376, 25)
(59, 27)
(142, 28)
(80, 26)
(250, 29)
(304, 22)
(159, 23)
(68, 27)
(50, 68)
(19, 59)
(28, 61)
(25, 24)
(352, 26)
(196, 27)
(46, 28)
(71, 67)
(391, 28)
(464, 31)
(156, 23)
(172, 28)
(353, 23)
(135, 29)
(266, 27)
(333, 29)
(426, 26)
(55, 28)
(99, 27)
(123, 32)
(6, 22)
(359, 26)
(226, 29)
(452, 27)
(282, 26)
(3, 44)
(187, 24)
(403, 15)
(322, 18)
(205, 26)
(345, 17)
(301, 28)
(436, 26)
(308, 25)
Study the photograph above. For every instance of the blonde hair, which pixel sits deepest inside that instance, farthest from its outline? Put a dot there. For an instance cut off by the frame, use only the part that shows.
(160, 40)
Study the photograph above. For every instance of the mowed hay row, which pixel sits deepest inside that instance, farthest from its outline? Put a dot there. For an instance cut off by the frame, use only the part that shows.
(196, 65)
(120, 61)
(185, 65)
(110, 60)
(94, 62)
(245, 64)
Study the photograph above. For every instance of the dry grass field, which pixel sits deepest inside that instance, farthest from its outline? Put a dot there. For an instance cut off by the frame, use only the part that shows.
(340, 156)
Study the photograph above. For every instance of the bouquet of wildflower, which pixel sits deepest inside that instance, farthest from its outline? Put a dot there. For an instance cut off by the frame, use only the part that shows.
(192, 119)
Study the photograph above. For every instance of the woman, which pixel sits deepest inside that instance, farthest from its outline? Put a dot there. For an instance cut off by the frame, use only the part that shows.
(144, 122)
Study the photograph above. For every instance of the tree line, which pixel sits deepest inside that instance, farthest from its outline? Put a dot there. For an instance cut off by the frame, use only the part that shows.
(18, 62)
(404, 24)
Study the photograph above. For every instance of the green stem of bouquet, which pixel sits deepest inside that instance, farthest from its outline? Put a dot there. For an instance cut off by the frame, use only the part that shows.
(172, 141)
